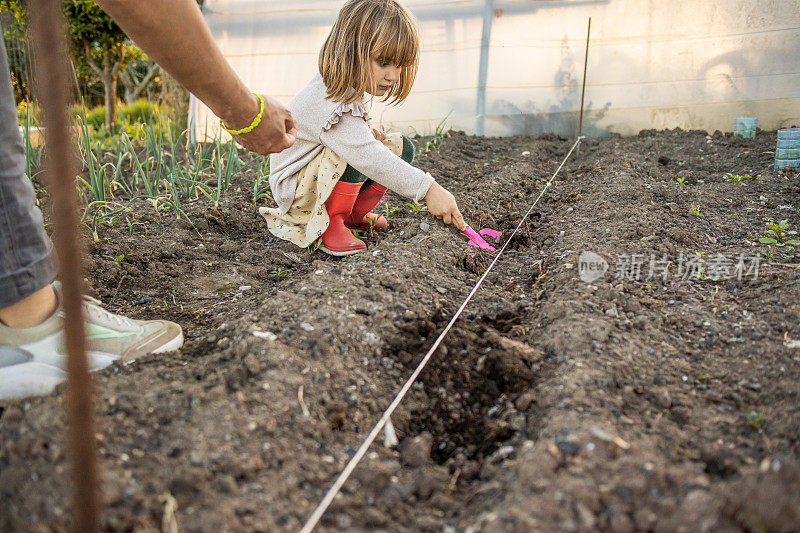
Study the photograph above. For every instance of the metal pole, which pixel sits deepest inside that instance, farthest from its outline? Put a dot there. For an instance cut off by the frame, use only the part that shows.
(53, 82)
(483, 69)
(583, 90)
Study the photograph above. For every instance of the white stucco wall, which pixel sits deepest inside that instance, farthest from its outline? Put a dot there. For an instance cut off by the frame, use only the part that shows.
(652, 63)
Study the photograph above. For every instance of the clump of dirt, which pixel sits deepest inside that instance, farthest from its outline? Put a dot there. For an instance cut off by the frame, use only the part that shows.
(641, 400)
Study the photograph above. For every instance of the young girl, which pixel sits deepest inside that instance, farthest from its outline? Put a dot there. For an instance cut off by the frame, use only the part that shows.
(339, 168)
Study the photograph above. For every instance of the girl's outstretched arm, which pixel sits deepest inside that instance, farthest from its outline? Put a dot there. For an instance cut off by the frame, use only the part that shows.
(175, 35)
(355, 142)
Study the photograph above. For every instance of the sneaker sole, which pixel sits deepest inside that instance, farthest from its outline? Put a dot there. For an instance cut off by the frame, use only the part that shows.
(29, 379)
(172, 345)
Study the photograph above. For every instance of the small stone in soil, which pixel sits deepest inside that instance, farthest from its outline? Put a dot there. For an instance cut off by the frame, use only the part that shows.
(417, 451)
(253, 365)
(502, 453)
(567, 447)
(661, 379)
(662, 398)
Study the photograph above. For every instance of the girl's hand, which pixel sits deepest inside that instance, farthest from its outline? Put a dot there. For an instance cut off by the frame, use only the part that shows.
(380, 135)
(443, 206)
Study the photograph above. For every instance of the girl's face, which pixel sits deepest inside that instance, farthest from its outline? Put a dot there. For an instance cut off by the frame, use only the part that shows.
(384, 75)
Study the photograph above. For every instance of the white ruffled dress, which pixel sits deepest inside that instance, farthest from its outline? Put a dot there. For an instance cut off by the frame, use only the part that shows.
(331, 136)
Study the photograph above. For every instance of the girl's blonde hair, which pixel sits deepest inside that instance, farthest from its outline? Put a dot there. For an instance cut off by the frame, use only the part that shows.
(364, 29)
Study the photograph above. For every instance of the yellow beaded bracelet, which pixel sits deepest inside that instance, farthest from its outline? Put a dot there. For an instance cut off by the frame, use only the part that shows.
(251, 127)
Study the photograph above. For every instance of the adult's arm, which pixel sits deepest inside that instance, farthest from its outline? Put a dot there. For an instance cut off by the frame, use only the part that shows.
(174, 34)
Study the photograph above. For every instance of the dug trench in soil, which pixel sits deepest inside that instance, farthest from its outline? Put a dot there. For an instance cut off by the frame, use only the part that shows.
(553, 404)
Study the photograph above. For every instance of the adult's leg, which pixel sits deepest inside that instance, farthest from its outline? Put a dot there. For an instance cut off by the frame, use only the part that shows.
(27, 260)
(32, 360)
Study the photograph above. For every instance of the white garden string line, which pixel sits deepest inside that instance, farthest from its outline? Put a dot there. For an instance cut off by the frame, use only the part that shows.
(312, 521)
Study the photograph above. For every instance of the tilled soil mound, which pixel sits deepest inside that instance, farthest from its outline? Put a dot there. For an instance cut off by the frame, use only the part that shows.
(661, 396)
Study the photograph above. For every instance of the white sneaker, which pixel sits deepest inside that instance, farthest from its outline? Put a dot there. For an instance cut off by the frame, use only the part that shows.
(33, 360)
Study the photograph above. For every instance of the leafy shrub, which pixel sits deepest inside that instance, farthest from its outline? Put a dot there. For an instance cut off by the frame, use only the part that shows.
(96, 117)
(140, 112)
(34, 114)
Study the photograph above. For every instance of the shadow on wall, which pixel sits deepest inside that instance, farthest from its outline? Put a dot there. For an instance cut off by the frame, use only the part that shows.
(560, 117)
(767, 65)
(532, 121)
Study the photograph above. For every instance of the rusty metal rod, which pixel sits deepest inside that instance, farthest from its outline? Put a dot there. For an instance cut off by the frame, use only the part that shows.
(50, 62)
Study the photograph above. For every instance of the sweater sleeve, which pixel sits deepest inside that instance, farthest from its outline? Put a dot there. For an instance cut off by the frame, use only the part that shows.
(350, 137)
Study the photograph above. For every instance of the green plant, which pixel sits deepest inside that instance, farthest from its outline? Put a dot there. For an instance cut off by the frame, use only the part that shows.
(388, 210)
(694, 210)
(99, 49)
(779, 234)
(702, 276)
(280, 272)
(261, 184)
(121, 260)
(436, 140)
(224, 168)
(95, 117)
(755, 419)
(142, 111)
(186, 177)
(680, 179)
(97, 177)
(415, 207)
(29, 113)
(743, 178)
(33, 155)
(132, 223)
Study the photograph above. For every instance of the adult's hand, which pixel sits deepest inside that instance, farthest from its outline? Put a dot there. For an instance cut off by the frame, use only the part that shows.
(276, 131)
(442, 204)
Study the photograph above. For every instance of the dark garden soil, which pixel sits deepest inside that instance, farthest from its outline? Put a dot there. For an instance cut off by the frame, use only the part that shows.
(554, 404)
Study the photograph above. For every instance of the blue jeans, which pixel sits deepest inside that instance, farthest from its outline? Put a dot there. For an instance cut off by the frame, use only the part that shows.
(27, 261)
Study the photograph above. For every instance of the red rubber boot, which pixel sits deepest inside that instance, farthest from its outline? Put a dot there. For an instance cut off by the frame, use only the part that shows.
(337, 239)
(361, 218)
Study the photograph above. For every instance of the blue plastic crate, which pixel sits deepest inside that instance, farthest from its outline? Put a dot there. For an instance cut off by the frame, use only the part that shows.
(789, 134)
(788, 143)
(745, 126)
(782, 163)
(787, 154)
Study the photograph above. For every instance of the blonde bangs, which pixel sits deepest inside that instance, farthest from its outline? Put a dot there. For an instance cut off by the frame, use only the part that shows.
(366, 29)
(398, 43)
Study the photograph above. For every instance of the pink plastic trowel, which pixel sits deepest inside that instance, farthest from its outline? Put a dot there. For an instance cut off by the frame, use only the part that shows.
(475, 238)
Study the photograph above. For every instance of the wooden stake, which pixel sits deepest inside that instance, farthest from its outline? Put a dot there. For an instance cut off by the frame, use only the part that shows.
(51, 70)
(583, 91)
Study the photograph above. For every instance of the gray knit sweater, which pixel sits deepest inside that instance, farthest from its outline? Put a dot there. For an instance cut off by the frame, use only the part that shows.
(345, 129)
